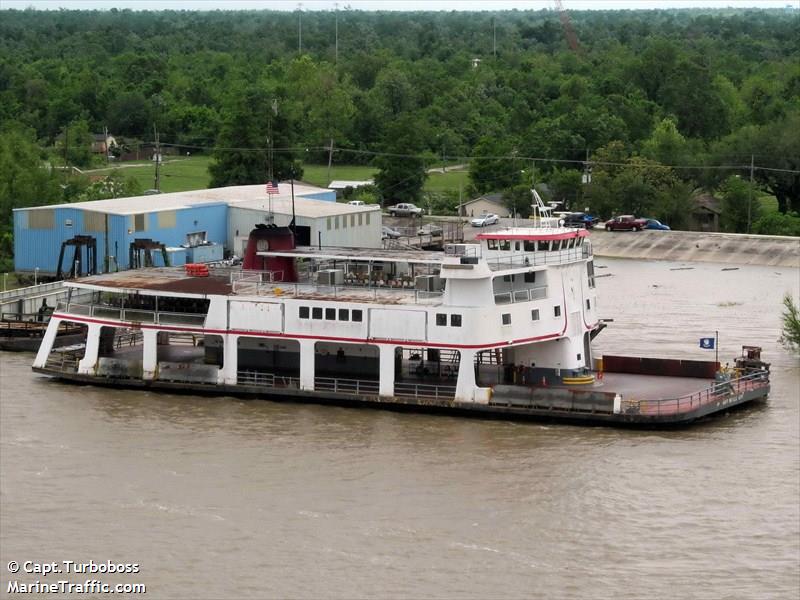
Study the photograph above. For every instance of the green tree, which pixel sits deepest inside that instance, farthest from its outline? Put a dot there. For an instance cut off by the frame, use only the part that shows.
(775, 145)
(791, 324)
(736, 202)
(77, 139)
(115, 185)
(666, 145)
(493, 166)
(401, 174)
(518, 200)
(566, 187)
(24, 181)
(776, 223)
(241, 157)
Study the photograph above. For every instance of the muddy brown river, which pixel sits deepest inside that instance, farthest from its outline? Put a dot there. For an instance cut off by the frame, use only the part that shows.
(218, 497)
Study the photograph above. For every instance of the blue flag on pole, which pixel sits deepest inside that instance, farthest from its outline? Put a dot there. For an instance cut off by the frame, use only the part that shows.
(707, 343)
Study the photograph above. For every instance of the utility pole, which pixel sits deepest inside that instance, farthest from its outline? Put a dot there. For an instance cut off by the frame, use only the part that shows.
(66, 152)
(750, 198)
(336, 47)
(105, 141)
(157, 181)
(300, 28)
(270, 141)
(330, 160)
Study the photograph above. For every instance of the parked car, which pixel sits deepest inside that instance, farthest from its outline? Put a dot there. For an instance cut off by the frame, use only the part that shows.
(656, 224)
(579, 219)
(405, 209)
(625, 223)
(357, 203)
(429, 229)
(485, 220)
(388, 232)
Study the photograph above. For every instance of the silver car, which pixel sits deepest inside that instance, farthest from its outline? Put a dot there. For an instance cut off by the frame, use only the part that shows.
(389, 233)
(485, 220)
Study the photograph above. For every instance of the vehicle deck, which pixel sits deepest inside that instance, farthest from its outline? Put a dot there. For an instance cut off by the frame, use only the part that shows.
(645, 387)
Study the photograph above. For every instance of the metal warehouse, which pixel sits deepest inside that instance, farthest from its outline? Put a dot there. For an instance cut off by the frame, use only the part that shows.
(318, 223)
(191, 226)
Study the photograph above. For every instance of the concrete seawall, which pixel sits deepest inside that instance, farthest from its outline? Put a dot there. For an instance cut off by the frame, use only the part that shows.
(729, 248)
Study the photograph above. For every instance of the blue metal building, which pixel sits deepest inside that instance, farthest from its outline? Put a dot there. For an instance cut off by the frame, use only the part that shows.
(181, 221)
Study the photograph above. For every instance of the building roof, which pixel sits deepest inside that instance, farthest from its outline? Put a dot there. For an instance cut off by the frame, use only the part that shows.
(706, 203)
(340, 184)
(249, 196)
(496, 198)
(304, 207)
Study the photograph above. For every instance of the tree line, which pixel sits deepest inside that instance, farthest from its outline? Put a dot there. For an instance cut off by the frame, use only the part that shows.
(653, 105)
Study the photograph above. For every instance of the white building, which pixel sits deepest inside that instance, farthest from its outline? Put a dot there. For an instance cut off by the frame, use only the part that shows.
(330, 223)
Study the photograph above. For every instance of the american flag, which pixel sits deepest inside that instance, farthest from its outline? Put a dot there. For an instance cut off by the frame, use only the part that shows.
(272, 187)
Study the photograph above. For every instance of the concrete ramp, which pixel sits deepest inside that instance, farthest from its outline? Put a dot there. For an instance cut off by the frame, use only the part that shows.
(729, 248)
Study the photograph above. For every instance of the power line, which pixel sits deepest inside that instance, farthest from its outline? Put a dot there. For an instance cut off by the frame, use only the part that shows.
(515, 157)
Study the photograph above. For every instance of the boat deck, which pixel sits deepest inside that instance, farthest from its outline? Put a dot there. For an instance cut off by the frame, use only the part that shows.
(645, 387)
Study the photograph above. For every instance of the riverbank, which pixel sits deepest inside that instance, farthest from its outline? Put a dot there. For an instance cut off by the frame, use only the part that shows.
(729, 248)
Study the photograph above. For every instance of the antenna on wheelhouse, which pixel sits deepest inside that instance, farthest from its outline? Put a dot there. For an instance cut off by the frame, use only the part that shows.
(541, 213)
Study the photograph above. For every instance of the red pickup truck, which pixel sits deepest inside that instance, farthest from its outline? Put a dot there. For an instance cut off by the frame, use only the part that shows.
(625, 223)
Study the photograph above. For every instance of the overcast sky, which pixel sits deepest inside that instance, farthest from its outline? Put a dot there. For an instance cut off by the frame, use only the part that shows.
(460, 5)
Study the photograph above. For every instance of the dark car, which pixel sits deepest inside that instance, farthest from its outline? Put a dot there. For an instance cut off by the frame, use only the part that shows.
(579, 219)
(625, 223)
(656, 224)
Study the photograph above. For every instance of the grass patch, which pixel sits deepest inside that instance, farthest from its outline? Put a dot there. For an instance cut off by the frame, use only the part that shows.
(10, 281)
(177, 174)
(318, 174)
(769, 204)
(442, 182)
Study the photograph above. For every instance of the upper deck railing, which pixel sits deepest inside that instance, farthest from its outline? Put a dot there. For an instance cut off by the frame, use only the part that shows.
(353, 293)
(133, 315)
(538, 258)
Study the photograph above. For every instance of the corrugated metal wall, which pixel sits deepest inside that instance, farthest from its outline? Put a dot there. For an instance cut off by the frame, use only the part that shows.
(357, 232)
(37, 239)
(329, 196)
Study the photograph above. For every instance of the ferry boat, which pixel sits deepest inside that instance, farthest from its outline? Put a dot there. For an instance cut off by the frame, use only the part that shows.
(502, 326)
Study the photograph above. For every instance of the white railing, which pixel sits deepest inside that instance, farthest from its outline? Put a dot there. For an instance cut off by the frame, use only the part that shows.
(424, 390)
(533, 259)
(345, 292)
(32, 290)
(265, 379)
(345, 386)
(131, 314)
